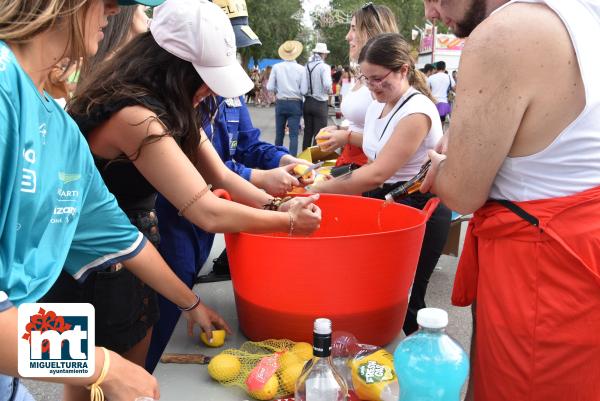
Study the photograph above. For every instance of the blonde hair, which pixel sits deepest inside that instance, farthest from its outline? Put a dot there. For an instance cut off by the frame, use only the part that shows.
(372, 20)
(21, 20)
(391, 51)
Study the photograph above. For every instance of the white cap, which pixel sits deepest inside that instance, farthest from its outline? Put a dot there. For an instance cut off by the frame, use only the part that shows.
(198, 31)
(322, 326)
(432, 318)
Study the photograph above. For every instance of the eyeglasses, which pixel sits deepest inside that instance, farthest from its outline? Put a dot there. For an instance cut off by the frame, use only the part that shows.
(373, 82)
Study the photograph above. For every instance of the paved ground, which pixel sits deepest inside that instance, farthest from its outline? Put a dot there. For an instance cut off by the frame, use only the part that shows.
(191, 382)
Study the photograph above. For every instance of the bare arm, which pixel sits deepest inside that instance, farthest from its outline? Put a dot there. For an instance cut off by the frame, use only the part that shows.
(403, 143)
(167, 168)
(490, 104)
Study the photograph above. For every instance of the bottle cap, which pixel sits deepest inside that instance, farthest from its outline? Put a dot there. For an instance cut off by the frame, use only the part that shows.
(322, 326)
(432, 318)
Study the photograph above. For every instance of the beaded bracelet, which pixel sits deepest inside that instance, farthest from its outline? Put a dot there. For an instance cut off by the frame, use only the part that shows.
(275, 203)
(198, 195)
(193, 306)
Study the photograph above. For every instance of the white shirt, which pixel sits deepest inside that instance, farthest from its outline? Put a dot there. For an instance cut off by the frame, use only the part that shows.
(354, 107)
(439, 84)
(571, 163)
(319, 80)
(374, 137)
(287, 80)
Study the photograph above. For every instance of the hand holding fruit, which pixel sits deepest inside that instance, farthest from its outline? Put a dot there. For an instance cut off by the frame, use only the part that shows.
(277, 181)
(331, 138)
(207, 319)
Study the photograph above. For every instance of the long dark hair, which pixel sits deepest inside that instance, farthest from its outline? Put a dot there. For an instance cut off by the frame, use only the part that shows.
(391, 51)
(144, 73)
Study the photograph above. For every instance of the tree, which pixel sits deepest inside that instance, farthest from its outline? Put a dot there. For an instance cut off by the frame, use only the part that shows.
(408, 13)
(272, 21)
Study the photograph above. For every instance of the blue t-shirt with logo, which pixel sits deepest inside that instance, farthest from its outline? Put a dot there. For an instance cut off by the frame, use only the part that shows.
(55, 210)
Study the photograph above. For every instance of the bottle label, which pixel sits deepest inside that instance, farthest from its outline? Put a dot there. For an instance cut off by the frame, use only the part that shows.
(262, 372)
(373, 372)
(321, 345)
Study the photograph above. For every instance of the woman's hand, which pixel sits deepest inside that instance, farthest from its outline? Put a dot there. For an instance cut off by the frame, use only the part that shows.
(277, 181)
(125, 381)
(207, 319)
(305, 214)
(332, 139)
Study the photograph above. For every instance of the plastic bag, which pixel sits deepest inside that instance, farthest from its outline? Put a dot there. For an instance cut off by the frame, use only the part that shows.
(368, 370)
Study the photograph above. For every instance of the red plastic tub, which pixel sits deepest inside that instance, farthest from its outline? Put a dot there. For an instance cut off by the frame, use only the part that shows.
(357, 270)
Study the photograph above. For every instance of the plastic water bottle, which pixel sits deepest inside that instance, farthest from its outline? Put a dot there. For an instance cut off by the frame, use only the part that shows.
(320, 381)
(430, 365)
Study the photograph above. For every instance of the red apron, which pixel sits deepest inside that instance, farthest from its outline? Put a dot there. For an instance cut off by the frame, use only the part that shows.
(351, 154)
(538, 299)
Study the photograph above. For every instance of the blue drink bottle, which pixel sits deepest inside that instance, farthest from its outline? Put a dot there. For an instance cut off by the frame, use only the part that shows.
(430, 365)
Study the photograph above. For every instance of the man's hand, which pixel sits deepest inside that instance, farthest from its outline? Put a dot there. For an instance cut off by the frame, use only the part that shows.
(436, 160)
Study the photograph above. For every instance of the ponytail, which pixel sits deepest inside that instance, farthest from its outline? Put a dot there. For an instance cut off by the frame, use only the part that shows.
(418, 80)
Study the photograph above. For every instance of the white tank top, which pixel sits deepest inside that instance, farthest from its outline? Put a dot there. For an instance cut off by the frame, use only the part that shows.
(571, 163)
(354, 107)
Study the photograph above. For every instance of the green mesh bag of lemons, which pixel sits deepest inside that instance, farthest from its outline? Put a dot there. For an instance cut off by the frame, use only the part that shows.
(265, 369)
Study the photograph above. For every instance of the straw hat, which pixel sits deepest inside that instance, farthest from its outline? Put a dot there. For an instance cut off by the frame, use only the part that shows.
(290, 50)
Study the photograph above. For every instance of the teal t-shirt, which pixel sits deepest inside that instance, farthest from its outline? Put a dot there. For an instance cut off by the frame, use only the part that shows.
(55, 210)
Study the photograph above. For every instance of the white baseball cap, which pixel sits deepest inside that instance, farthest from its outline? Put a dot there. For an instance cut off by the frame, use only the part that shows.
(198, 31)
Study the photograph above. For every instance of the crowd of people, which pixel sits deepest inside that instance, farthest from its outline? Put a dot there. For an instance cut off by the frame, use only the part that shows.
(159, 118)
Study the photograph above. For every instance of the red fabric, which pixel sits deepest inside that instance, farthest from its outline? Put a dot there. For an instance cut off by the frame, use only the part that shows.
(351, 154)
(538, 299)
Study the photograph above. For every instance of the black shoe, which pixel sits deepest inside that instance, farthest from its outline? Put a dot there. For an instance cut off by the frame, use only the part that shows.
(220, 271)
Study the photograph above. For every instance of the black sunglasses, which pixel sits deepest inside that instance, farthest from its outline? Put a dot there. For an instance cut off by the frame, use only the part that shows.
(371, 6)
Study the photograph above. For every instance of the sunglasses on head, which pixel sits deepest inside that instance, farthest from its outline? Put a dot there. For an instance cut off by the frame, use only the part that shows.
(371, 6)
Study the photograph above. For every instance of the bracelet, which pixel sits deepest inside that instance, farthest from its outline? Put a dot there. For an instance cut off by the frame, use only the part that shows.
(275, 203)
(291, 224)
(96, 393)
(198, 195)
(193, 306)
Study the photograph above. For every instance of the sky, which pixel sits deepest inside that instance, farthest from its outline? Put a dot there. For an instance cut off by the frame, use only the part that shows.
(309, 5)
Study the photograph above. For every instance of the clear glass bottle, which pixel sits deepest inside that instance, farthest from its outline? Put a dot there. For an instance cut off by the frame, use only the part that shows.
(320, 381)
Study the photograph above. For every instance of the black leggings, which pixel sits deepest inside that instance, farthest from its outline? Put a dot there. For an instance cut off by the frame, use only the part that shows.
(436, 232)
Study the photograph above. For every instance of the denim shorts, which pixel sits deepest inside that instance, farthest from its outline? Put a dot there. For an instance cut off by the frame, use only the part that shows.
(11, 389)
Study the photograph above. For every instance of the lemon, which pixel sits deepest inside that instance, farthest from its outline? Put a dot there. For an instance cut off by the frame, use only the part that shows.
(268, 391)
(288, 359)
(290, 375)
(319, 138)
(300, 169)
(218, 338)
(224, 367)
(303, 350)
